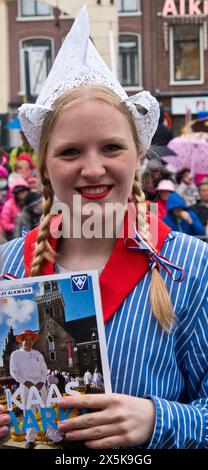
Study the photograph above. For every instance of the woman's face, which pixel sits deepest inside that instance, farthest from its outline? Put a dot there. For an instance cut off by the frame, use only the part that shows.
(92, 154)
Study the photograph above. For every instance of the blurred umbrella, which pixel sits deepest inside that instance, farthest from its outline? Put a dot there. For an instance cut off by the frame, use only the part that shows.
(163, 151)
(13, 124)
(191, 153)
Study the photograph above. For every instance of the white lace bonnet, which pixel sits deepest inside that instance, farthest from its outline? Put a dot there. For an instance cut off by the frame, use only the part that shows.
(79, 63)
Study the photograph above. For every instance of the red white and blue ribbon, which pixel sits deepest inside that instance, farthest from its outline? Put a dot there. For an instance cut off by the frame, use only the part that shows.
(156, 260)
(7, 277)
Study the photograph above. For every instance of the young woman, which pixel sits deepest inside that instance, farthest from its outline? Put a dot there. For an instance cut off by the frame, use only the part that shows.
(90, 137)
(156, 328)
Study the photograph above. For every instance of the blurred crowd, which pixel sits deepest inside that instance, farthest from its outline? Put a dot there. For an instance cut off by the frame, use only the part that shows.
(181, 198)
(181, 203)
(20, 191)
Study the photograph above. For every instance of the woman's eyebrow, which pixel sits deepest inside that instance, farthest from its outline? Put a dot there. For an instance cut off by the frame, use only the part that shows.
(70, 144)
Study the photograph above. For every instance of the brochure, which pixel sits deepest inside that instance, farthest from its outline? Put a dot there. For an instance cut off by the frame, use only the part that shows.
(52, 344)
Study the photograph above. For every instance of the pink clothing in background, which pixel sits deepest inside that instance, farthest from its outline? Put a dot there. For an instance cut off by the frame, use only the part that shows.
(9, 214)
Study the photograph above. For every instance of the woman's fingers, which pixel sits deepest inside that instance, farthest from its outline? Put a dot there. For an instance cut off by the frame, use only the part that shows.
(4, 420)
(109, 442)
(97, 433)
(97, 401)
(88, 420)
(3, 431)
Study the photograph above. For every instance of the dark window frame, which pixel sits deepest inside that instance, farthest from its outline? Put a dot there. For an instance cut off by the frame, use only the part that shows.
(129, 61)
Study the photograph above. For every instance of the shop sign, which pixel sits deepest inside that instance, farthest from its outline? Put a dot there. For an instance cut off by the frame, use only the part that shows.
(185, 7)
(180, 106)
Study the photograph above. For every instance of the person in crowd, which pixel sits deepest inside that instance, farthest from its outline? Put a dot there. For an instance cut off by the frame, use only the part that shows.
(4, 189)
(4, 196)
(28, 368)
(97, 378)
(201, 208)
(87, 380)
(24, 148)
(163, 133)
(152, 172)
(24, 165)
(33, 183)
(24, 168)
(186, 187)
(51, 378)
(30, 215)
(165, 187)
(4, 159)
(181, 218)
(13, 206)
(90, 145)
(61, 381)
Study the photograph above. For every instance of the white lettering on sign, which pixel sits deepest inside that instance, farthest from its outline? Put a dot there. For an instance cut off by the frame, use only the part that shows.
(17, 291)
(185, 7)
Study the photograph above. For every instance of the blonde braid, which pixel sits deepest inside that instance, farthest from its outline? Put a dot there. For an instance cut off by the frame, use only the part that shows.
(159, 296)
(43, 249)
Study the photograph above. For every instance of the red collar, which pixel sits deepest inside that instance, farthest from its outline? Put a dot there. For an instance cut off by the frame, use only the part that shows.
(123, 271)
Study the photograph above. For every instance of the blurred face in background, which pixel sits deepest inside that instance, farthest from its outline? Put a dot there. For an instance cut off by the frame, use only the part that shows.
(21, 196)
(164, 195)
(23, 169)
(3, 183)
(177, 211)
(203, 192)
(37, 208)
(187, 178)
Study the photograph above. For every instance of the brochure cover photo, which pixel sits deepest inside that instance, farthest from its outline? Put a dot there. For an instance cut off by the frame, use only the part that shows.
(52, 344)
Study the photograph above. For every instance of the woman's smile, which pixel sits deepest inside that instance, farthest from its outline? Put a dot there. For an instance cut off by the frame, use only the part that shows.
(94, 191)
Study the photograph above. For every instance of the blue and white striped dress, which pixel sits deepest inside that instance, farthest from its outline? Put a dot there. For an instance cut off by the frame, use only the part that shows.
(145, 361)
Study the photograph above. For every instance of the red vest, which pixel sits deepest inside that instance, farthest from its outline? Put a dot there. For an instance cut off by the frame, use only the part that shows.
(123, 271)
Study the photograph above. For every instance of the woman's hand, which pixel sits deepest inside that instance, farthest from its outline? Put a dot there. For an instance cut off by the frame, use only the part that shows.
(4, 420)
(117, 420)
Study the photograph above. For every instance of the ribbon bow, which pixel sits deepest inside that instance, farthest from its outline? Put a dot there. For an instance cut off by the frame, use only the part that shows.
(156, 260)
(7, 277)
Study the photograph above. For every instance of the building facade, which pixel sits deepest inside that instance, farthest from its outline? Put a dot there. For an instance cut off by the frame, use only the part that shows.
(163, 47)
(158, 45)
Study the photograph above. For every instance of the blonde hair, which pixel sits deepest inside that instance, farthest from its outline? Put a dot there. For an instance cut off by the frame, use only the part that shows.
(160, 300)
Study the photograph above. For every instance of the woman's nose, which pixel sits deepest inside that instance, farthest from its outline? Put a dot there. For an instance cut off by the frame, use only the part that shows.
(93, 167)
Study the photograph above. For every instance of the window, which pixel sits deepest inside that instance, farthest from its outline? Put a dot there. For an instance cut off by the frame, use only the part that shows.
(34, 8)
(129, 70)
(187, 53)
(51, 343)
(36, 63)
(128, 5)
(52, 356)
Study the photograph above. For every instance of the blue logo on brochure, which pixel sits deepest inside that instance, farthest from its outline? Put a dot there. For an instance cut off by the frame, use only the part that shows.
(80, 283)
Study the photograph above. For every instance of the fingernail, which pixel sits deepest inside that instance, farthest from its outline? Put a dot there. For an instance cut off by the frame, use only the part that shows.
(70, 435)
(5, 419)
(3, 431)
